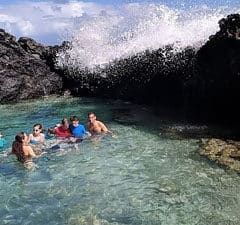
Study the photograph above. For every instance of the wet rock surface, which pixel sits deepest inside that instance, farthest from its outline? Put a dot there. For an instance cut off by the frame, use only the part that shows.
(226, 153)
(24, 73)
(198, 85)
(193, 85)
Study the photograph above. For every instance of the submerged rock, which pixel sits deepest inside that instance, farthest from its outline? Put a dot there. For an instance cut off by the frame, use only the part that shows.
(23, 72)
(226, 153)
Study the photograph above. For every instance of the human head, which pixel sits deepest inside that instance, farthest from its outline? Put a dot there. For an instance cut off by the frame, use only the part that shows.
(37, 128)
(65, 123)
(75, 121)
(17, 145)
(91, 117)
(20, 137)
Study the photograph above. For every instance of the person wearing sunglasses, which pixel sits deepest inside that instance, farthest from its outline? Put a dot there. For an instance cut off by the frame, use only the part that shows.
(37, 136)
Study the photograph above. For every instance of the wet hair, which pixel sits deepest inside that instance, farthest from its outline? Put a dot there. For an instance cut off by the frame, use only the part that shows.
(17, 146)
(40, 127)
(74, 118)
(64, 120)
(91, 113)
(38, 124)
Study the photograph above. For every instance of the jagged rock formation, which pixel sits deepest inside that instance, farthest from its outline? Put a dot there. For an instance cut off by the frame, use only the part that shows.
(216, 80)
(24, 73)
(200, 85)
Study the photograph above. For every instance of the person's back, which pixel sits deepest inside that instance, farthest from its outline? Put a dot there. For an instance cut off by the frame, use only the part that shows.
(23, 152)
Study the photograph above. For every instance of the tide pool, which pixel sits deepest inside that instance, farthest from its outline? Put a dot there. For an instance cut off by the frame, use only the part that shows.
(142, 176)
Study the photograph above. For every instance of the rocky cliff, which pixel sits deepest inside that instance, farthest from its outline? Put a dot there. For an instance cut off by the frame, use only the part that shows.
(195, 84)
(24, 73)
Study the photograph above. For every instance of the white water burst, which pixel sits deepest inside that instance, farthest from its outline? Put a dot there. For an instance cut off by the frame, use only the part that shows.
(99, 40)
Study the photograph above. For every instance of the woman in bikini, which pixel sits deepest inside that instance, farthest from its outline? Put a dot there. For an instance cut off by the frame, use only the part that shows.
(37, 136)
(23, 152)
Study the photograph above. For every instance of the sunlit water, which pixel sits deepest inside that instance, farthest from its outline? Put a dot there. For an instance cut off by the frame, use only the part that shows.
(142, 176)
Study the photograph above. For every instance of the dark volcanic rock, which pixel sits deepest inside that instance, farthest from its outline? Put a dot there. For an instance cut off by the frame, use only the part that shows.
(217, 73)
(156, 77)
(198, 85)
(23, 72)
(32, 47)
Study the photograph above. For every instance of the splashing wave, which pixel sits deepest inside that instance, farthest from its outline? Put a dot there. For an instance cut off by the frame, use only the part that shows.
(99, 40)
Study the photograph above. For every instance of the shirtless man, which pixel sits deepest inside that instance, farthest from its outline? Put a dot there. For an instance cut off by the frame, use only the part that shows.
(95, 126)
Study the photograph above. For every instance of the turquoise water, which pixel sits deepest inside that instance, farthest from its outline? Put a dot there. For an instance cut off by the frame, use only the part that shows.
(143, 176)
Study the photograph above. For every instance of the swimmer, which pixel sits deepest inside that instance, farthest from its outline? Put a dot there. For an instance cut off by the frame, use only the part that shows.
(95, 126)
(23, 152)
(63, 131)
(77, 130)
(37, 136)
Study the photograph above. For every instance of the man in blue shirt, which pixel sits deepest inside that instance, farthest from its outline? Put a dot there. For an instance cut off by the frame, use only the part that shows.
(77, 130)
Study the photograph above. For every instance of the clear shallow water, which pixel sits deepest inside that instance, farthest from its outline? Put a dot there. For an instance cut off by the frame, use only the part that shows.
(141, 177)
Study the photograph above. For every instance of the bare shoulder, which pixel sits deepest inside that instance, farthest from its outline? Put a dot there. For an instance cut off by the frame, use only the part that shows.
(27, 148)
(28, 151)
(102, 125)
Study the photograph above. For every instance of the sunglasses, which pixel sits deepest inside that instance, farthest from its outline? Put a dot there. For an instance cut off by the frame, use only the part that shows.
(36, 130)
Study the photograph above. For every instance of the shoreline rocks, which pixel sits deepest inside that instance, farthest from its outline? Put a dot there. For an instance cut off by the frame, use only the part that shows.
(193, 85)
(23, 72)
(198, 85)
(226, 153)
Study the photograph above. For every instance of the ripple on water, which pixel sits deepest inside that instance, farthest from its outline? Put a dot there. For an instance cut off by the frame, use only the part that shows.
(140, 177)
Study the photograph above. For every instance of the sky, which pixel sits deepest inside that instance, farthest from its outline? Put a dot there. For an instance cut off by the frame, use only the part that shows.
(50, 22)
(169, 2)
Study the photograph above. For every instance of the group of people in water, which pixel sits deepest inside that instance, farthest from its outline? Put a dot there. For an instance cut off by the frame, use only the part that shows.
(71, 131)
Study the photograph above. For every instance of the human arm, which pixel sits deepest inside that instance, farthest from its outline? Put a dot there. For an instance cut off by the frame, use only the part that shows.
(84, 129)
(104, 128)
(42, 138)
(30, 137)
